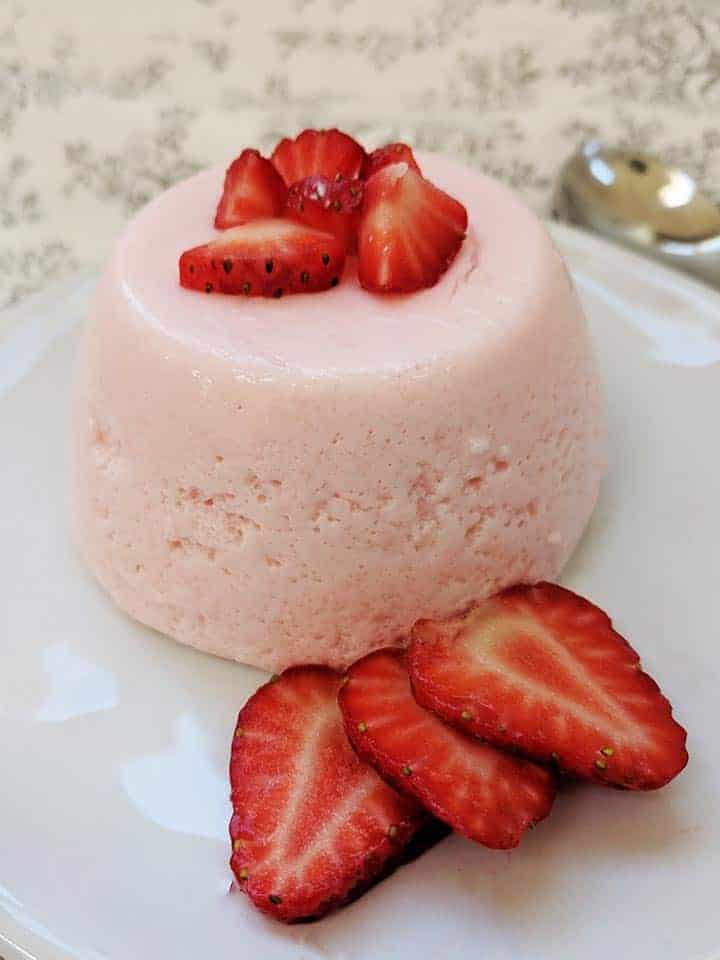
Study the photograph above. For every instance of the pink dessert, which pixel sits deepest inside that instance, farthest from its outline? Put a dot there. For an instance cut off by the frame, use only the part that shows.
(299, 480)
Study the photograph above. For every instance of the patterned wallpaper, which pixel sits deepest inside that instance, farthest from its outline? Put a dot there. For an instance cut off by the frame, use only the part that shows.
(105, 103)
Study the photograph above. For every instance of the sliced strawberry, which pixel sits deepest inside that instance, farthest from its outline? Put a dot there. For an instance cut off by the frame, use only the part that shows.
(253, 190)
(409, 233)
(330, 205)
(390, 153)
(487, 795)
(540, 670)
(330, 153)
(265, 258)
(312, 823)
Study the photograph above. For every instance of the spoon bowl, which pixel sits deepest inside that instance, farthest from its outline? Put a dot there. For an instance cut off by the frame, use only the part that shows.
(635, 199)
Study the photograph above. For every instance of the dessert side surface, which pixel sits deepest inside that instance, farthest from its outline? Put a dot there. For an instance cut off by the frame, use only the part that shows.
(300, 480)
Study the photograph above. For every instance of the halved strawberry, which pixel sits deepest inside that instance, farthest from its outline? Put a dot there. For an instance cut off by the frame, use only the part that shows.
(409, 233)
(265, 258)
(487, 795)
(253, 189)
(312, 823)
(330, 205)
(541, 670)
(329, 153)
(390, 153)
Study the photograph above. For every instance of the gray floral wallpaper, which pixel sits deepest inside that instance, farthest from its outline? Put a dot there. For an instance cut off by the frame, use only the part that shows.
(104, 103)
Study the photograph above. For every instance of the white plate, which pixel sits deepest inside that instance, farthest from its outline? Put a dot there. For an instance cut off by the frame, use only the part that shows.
(114, 741)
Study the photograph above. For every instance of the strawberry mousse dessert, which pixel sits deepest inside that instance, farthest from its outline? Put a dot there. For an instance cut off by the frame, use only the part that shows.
(324, 394)
(349, 430)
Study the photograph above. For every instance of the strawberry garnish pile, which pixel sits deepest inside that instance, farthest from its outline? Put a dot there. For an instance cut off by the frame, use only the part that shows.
(313, 824)
(541, 670)
(470, 727)
(405, 230)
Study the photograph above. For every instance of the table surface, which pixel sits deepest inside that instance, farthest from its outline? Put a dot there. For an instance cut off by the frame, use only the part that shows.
(103, 104)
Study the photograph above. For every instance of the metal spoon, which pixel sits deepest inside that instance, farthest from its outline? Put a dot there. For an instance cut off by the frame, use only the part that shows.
(643, 203)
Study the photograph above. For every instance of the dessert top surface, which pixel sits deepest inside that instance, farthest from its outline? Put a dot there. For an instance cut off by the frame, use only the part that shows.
(496, 284)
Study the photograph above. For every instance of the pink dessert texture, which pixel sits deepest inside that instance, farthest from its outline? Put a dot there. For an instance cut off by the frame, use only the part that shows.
(299, 480)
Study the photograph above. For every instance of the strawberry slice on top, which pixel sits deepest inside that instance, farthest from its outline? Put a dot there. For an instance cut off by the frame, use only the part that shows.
(410, 231)
(253, 189)
(265, 258)
(330, 205)
(540, 670)
(312, 824)
(489, 796)
(327, 153)
(390, 153)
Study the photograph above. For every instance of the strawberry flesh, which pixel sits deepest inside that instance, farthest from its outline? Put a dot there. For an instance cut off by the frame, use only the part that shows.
(410, 231)
(265, 258)
(253, 190)
(390, 153)
(488, 796)
(312, 824)
(540, 670)
(328, 153)
(330, 205)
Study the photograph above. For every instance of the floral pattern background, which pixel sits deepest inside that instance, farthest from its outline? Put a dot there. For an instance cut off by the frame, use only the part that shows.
(105, 103)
